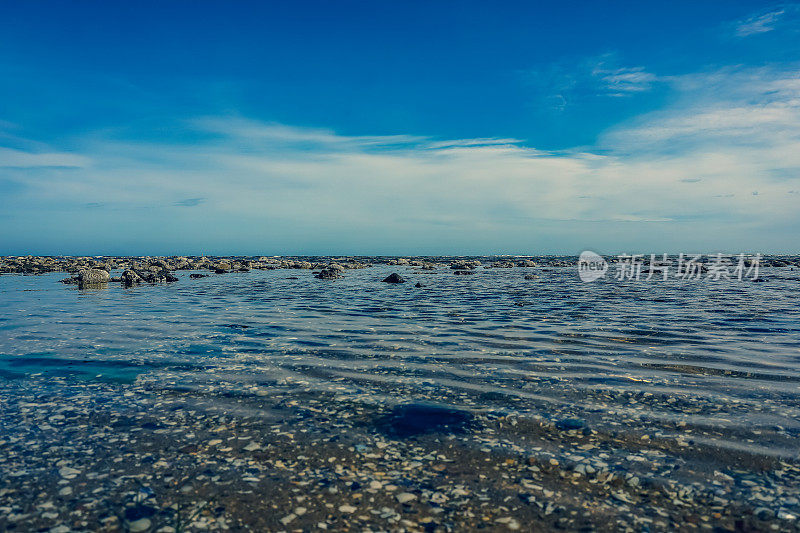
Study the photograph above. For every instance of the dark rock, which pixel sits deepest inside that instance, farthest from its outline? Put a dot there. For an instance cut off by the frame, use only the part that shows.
(131, 278)
(570, 423)
(198, 276)
(418, 418)
(419, 285)
(70, 281)
(463, 272)
(394, 278)
(220, 271)
(531, 276)
(328, 273)
(139, 511)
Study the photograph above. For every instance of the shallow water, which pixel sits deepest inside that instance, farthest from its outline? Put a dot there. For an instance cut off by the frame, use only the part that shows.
(720, 355)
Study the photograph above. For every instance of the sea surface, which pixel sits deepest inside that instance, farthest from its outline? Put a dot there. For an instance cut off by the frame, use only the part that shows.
(723, 356)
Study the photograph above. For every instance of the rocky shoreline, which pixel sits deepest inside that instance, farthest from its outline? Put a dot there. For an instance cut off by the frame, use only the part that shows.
(209, 444)
(225, 264)
(96, 271)
(127, 458)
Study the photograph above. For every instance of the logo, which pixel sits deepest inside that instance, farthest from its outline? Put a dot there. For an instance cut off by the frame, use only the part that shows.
(591, 266)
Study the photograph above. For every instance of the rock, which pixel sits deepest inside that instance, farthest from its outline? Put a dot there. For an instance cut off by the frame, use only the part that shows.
(463, 272)
(531, 276)
(394, 278)
(764, 513)
(130, 278)
(419, 285)
(347, 509)
(328, 273)
(93, 277)
(462, 265)
(405, 497)
(220, 271)
(418, 418)
(198, 276)
(67, 472)
(570, 423)
(137, 526)
(69, 281)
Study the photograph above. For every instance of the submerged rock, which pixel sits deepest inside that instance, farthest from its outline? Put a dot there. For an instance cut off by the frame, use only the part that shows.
(568, 424)
(417, 418)
(394, 278)
(198, 276)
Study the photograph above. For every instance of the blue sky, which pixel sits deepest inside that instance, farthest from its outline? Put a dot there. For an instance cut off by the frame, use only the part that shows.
(409, 128)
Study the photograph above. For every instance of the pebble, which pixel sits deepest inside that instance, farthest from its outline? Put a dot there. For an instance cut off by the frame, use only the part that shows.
(405, 497)
(68, 473)
(137, 526)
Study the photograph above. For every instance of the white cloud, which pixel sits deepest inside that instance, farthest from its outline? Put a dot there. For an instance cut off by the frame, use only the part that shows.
(624, 81)
(10, 157)
(688, 169)
(759, 23)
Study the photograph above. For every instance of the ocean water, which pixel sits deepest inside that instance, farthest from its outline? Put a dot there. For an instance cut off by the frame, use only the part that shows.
(723, 356)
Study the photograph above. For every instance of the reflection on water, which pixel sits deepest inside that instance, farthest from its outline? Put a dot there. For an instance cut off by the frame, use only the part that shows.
(719, 354)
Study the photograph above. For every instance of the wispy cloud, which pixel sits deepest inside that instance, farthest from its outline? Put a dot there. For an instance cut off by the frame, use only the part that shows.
(731, 132)
(563, 83)
(10, 157)
(623, 81)
(761, 23)
(190, 202)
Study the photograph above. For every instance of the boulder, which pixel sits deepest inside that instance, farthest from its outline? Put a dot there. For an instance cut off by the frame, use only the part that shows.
(131, 278)
(328, 273)
(92, 277)
(394, 278)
